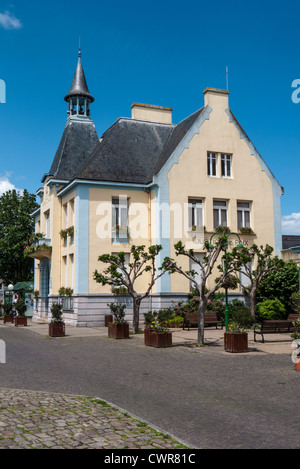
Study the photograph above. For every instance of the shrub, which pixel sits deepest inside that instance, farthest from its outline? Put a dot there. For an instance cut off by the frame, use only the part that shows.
(56, 311)
(118, 311)
(164, 315)
(150, 318)
(217, 306)
(270, 309)
(7, 307)
(295, 302)
(241, 314)
(21, 307)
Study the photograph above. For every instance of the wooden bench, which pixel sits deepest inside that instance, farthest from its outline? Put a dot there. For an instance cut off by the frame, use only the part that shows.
(273, 327)
(210, 319)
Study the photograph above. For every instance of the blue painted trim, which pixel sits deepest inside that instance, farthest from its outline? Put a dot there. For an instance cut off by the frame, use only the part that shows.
(103, 185)
(162, 223)
(82, 240)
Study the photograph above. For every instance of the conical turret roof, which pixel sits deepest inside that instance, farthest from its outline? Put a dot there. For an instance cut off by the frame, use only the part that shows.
(79, 86)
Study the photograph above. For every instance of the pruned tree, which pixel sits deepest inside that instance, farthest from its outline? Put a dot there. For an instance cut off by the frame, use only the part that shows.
(120, 275)
(206, 266)
(255, 263)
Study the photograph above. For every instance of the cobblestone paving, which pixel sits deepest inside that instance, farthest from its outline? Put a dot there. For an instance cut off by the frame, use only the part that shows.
(39, 420)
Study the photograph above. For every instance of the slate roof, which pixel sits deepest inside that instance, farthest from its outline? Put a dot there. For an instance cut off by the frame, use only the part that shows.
(78, 141)
(133, 151)
(128, 152)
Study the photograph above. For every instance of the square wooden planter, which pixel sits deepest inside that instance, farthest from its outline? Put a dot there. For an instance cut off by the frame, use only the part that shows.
(108, 318)
(158, 339)
(118, 331)
(57, 329)
(7, 318)
(236, 343)
(147, 338)
(20, 321)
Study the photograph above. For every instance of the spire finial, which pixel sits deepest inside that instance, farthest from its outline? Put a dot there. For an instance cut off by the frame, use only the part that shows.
(79, 49)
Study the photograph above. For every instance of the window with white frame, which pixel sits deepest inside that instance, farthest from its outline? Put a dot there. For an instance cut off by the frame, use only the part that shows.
(47, 224)
(226, 166)
(243, 215)
(120, 218)
(195, 212)
(220, 213)
(212, 164)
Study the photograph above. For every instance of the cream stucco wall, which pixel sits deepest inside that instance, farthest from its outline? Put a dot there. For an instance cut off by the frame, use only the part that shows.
(248, 183)
(100, 234)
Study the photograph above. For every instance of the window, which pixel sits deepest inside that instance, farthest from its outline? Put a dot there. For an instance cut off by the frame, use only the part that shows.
(120, 219)
(65, 270)
(47, 225)
(226, 166)
(195, 212)
(220, 213)
(243, 215)
(211, 164)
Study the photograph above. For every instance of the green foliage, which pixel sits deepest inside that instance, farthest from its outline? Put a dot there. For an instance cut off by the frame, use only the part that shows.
(65, 291)
(295, 302)
(57, 314)
(217, 305)
(7, 307)
(240, 313)
(118, 312)
(150, 318)
(164, 315)
(280, 284)
(16, 227)
(270, 309)
(21, 307)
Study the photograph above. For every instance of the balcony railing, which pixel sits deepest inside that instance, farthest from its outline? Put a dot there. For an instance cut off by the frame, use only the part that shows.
(120, 236)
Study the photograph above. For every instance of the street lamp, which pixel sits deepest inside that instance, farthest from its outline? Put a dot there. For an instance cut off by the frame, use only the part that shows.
(225, 236)
(10, 289)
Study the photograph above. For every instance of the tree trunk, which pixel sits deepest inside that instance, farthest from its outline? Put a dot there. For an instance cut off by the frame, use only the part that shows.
(252, 296)
(136, 314)
(202, 306)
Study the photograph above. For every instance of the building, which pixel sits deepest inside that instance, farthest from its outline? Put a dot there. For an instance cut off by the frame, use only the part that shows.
(145, 181)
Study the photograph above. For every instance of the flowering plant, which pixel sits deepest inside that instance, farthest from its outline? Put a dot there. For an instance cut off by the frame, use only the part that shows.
(120, 290)
(235, 328)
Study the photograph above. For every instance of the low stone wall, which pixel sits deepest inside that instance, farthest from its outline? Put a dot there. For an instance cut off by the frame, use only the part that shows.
(90, 310)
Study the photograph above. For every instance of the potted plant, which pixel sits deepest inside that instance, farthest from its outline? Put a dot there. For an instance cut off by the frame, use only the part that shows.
(8, 316)
(21, 319)
(155, 334)
(119, 327)
(57, 325)
(150, 319)
(236, 339)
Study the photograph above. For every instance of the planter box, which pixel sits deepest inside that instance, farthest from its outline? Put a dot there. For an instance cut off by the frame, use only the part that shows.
(236, 343)
(20, 321)
(118, 331)
(8, 318)
(297, 364)
(147, 338)
(160, 339)
(57, 329)
(107, 319)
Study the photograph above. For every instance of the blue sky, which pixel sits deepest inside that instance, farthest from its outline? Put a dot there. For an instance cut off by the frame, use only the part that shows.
(161, 52)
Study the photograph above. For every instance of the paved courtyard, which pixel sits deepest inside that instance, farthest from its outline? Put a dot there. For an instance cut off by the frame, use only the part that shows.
(88, 391)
